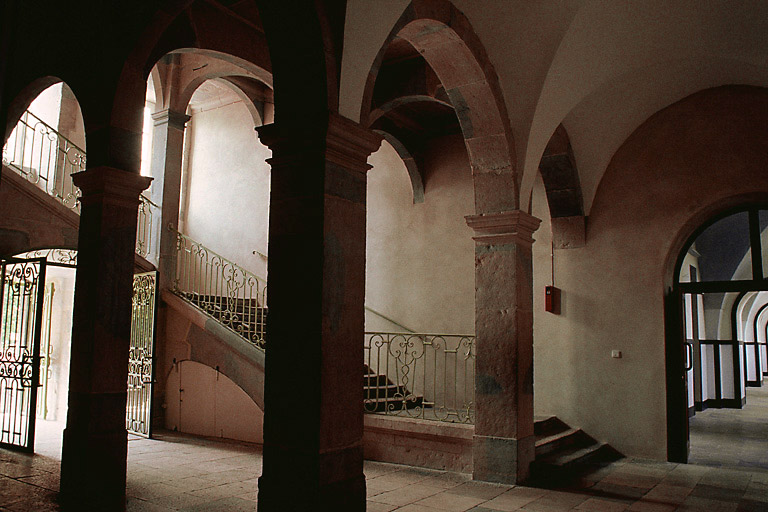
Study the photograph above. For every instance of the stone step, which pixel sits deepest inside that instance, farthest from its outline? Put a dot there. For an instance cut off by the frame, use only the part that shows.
(386, 391)
(576, 456)
(564, 453)
(559, 441)
(547, 426)
(373, 380)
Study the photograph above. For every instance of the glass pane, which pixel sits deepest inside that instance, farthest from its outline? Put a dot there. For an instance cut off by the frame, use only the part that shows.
(763, 216)
(721, 252)
(715, 360)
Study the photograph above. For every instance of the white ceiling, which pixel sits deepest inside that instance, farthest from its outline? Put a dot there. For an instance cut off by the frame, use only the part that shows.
(600, 67)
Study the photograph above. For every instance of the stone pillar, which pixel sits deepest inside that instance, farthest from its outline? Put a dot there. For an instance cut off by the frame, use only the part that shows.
(504, 440)
(167, 155)
(93, 466)
(313, 421)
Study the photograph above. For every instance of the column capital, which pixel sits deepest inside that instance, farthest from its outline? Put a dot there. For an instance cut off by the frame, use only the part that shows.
(171, 117)
(347, 143)
(120, 186)
(514, 226)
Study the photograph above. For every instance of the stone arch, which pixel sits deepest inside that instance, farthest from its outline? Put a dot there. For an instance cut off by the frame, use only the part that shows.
(198, 66)
(698, 222)
(156, 81)
(412, 158)
(563, 188)
(30, 219)
(177, 26)
(411, 165)
(561, 178)
(22, 101)
(446, 40)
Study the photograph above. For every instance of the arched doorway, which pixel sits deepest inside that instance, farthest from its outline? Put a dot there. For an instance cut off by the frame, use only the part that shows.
(712, 352)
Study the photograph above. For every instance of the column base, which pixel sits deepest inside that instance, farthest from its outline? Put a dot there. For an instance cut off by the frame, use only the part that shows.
(279, 495)
(503, 460)
(93, 470)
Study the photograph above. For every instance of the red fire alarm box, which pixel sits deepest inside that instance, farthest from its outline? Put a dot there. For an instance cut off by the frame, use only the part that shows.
(552, 300)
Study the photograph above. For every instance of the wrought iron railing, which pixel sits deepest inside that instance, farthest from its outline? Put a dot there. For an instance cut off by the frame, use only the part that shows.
(45, 157)
(426, 376)
(148, 221)
(221, 288)
(141, 354)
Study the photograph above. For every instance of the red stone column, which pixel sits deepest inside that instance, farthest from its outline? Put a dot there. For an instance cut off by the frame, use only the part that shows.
(504, 440)
(313, 403)
(93, 466)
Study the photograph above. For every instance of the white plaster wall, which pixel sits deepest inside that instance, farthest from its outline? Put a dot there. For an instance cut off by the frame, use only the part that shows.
(649, 201)
(549, 360)
(47, 105)
(420, 257)
(202, 401)
(63, 280)
(228, 186)
(620, 401)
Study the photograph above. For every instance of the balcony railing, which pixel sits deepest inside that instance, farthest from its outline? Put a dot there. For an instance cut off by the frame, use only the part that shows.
(426, 376)
(221, 289)
(46, 158)
(148, 221)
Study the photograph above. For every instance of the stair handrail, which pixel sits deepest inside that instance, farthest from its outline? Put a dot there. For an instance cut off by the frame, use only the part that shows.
(393, 322)
(74, 160)
(222, 289)
(57, 184)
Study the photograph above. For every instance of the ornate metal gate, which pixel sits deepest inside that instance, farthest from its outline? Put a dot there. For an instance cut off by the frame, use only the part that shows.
(140, 359)
(22, 285)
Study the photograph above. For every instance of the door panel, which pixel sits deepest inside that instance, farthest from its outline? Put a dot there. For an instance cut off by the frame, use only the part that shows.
(141, 355)
(22, 284)
(677, 386)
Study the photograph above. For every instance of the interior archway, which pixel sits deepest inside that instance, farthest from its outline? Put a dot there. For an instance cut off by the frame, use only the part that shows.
(719, 294)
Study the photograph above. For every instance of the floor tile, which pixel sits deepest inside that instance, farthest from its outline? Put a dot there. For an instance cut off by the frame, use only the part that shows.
(451, 502)
(192, 474)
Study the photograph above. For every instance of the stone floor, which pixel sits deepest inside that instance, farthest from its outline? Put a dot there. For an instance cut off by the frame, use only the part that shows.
(732, 437)
(177, 472)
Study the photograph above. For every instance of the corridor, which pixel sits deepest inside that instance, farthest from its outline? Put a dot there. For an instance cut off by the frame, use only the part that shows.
(732, 437)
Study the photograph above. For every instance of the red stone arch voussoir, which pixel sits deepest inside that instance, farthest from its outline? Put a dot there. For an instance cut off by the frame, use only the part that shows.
(178, 25)
(446, 40)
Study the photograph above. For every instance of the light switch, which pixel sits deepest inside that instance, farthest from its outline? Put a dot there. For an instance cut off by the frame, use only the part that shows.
(616, 354)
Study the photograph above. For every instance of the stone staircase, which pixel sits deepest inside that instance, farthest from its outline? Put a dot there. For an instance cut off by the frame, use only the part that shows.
(215, 345)
(243, 316)
(563, 452)
(380, 394)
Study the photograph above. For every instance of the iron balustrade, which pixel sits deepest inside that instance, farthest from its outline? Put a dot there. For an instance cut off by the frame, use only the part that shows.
(45, 157)
(141, 355)
(147, 221)
(425, 376)
(22, 285)
(39, 153)
(220, 288)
